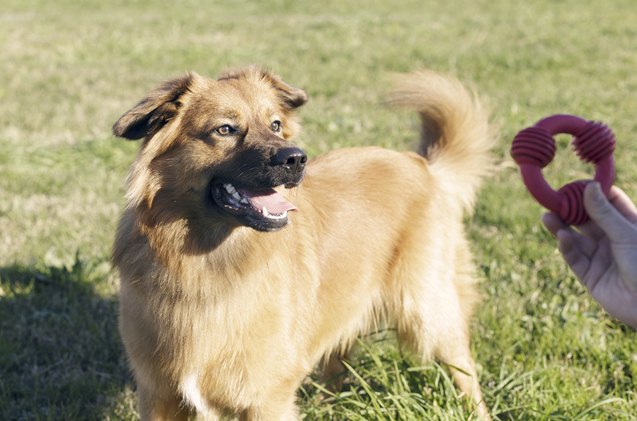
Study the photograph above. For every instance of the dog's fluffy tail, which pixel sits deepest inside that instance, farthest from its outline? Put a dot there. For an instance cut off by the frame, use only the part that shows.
(456, 136)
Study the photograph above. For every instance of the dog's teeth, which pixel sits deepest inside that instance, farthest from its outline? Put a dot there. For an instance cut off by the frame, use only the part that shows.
(236, 196)
(244, 201)
(229, 188)
(268, 215)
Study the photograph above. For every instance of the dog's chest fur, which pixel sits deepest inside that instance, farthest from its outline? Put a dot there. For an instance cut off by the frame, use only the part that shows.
(207, 344)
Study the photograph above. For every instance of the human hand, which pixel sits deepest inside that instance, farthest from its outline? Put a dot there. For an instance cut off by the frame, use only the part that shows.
(603, 252)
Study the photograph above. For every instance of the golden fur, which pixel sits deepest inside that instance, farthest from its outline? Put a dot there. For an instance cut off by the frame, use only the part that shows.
(225, 320)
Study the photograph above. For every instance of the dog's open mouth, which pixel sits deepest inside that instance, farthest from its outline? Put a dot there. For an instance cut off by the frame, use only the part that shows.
(263, 209)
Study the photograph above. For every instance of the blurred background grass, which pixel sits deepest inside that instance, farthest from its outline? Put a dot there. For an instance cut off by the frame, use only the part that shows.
(70, 68)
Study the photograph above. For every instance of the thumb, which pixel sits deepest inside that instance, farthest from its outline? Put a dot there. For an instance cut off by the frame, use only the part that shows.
(604, 213)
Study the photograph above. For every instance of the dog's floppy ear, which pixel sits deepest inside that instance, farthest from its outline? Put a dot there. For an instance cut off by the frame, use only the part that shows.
(154, 111)
(292, 97)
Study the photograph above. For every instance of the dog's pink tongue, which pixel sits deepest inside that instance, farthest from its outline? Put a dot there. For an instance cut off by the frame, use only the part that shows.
(274, 202)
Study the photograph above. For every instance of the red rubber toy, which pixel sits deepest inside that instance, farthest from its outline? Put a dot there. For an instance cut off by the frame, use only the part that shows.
(534, 148)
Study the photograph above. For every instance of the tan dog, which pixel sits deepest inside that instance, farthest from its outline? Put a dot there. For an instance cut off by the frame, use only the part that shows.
(228, 299)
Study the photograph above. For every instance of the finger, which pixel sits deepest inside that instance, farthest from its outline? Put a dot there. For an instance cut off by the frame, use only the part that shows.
(554, 224)
(600, 262)
(591, 230)
(622, 203)
(620, 200)
(592, 233)
(609, 219)
(578, 261)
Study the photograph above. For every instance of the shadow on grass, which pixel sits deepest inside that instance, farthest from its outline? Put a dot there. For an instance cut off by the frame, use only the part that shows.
(60, 352)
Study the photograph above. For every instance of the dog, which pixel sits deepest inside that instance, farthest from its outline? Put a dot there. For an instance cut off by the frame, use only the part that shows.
(243, 264)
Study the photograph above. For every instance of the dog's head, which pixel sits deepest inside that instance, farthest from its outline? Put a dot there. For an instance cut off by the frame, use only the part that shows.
(215, 150)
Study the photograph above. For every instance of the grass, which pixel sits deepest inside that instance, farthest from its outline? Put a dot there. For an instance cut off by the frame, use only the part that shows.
(545, 350)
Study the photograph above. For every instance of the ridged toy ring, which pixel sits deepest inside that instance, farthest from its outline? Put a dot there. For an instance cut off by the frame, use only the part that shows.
(534, 148)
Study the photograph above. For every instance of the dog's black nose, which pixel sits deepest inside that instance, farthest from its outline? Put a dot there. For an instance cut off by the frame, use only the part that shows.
(290, 158)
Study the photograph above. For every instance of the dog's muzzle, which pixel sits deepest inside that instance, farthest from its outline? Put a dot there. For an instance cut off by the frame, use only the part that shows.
(256, 203)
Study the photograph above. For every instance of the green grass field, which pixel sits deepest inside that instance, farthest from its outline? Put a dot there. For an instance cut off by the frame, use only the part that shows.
(70, 68)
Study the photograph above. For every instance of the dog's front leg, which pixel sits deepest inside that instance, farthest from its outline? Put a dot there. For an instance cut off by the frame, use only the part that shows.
(153, 407)
(272, 411)
(333, 371)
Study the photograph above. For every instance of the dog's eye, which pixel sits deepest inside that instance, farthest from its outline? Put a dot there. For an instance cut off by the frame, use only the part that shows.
(225, 130)
(275, 126)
